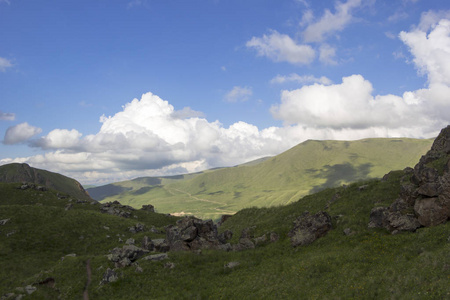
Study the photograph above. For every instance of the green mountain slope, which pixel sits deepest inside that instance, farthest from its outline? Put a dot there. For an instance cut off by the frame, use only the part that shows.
(24, 173)
(307, 168)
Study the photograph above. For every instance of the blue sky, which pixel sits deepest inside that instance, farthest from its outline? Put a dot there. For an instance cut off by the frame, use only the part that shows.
(215, 82)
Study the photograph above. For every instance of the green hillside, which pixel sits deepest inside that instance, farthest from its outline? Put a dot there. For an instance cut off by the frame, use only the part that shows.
(24, 173)
(63, 253)
(307, 168)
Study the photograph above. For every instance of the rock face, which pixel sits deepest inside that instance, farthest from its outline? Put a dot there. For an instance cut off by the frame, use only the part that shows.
(191, 233)
(424, 199)
(308, 228)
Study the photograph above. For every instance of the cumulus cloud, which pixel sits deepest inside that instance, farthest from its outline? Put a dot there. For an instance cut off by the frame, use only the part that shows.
(305, 79)
(431, 49)
(20, 133)
(330, 22)
(7, 116)
(149, 137)
(281, 48)
(4, 63)
(238, 94)
(352, 105)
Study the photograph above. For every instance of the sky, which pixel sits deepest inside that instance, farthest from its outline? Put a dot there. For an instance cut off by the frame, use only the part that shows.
(110, 90)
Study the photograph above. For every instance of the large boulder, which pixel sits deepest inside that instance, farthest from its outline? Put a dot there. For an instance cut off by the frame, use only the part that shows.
(123, 257)
(191, 233)
(424, 199)
(308, 228)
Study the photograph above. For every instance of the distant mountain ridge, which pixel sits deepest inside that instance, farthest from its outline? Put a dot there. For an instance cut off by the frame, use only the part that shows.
(304, 169)
(16, 172)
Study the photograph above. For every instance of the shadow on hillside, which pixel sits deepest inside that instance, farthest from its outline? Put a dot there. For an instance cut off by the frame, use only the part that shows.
(337, 174)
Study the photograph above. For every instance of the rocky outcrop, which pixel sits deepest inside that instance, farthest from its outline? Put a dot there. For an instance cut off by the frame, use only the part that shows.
(148, 207)
(191, 233)
(424, 199)
(125, 256)
(116, 209)
(308, 228)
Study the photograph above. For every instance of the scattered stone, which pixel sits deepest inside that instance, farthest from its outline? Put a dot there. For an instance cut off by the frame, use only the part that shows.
(156, 257)
(68, 206)
(10, 233)
(147, 244)
(225, 236)
(106, 227)
(136, 228)
(4, 221)
(191, 233)
(109, 276)
(274, 237)
(123, 257)
(232, 264)
(130, 241)
(161, 245)
(348, 232)
(308, 228)
(30, 289)
(169, 265)
(148, 207)
(260, 240)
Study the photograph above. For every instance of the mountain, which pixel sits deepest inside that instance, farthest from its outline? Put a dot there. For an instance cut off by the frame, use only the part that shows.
(24, 173)
(304, 169)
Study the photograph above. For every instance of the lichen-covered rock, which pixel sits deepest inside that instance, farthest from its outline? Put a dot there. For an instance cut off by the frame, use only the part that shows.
(308, 228)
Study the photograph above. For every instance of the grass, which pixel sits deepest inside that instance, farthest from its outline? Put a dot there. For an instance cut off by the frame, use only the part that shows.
(307, 168)
(370, 264)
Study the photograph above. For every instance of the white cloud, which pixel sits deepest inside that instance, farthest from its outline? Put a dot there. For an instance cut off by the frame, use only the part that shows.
(238, 94)
(390, 35)
(59, 139)
(330, 23)
(327, 54)
(4, 64)
(7, 116)
(20, 133)
(397, 16)
(281, 48)
(300, 79)
(186, 113)
(431, 50)
(149, 137)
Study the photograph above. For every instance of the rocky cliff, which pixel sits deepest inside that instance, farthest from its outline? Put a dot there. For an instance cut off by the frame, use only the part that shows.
(424, 198)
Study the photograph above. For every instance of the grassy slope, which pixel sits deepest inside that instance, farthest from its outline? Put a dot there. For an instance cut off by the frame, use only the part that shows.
(13, 172)
(304, 169)
(371, 264)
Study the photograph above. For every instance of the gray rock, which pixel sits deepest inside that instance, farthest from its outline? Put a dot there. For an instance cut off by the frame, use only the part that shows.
(308, 228)
(68, 206)
(124, 256)
(232, 264)
(136, 228)
(191, 233)
(130, 241)
(169, 265)
(4, 221)
(260, 240)
(148, 207)
(30, 289)
(274, 237)
(109, 276)
(156, 257)
(147, 244)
